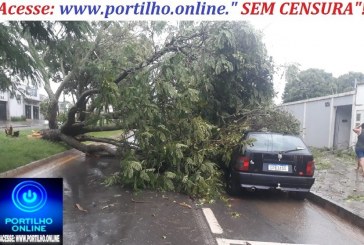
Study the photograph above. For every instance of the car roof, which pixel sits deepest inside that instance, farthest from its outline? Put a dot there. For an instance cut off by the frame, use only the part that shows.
(269, 132)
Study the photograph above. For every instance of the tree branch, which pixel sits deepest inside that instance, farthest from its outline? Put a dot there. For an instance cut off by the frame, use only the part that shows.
(97, 139)
(86, 148)
(67, 127)
(174, 45)
(82, 63)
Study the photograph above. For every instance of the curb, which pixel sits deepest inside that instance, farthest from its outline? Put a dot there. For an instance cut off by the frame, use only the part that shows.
(24, 126)
(18, 126)
(35, 164)
(312, 196)
(337, 209)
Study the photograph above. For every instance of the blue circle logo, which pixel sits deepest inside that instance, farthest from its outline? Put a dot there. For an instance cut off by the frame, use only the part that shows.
(29, 196)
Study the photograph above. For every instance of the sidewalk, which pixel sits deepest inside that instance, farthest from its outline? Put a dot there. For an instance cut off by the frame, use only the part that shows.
(340, 188)
(24, 124)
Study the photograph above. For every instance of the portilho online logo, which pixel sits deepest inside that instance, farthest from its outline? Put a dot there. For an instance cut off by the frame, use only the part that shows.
(29, 196)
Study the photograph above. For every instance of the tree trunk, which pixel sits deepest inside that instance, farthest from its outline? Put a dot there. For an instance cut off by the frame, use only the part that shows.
(51, 134)
(52, 113)
(56, 135)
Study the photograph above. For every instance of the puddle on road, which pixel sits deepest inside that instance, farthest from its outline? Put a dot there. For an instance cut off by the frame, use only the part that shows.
(79, 176)
(116, 215)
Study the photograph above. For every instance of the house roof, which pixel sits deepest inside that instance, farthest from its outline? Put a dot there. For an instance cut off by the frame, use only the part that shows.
(350, 93)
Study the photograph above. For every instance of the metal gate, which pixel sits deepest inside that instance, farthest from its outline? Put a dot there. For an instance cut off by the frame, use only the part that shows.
(35, 112)
(3, 111)
(28, 111)
(342, 127)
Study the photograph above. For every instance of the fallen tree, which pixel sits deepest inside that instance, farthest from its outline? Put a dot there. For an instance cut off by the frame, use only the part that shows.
(182, 103)
(74, 125)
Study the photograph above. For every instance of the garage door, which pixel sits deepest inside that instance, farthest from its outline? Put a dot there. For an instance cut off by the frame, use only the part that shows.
(2, 111)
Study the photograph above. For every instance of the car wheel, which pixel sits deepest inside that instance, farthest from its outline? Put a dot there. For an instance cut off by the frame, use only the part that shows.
(298, 195)
(232, 187)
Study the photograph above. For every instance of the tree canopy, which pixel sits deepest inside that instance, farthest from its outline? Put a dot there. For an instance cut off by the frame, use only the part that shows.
(182, 93)
(313, 83)
(17, 63)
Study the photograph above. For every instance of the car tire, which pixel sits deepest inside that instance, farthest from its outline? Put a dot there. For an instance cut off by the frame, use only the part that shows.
(232, 187)
(299, 195)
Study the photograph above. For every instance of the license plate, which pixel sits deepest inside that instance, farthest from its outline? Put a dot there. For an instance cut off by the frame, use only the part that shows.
(278, 167)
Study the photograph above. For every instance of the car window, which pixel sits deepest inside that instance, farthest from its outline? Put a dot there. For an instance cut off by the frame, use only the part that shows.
(276, 142)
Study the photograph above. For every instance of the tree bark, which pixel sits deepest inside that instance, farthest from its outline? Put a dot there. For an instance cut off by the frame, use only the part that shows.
(56, 135)
(52, 113)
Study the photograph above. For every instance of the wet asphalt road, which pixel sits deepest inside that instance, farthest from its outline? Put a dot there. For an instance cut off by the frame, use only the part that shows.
(115, 215)
(275, 217)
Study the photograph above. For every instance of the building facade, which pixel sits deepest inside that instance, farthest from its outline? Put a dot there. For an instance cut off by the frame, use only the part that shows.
(25, 104)
(328, 121)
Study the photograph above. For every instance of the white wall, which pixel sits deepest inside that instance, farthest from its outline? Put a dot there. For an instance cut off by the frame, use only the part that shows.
(298, 111)
(344, 100)
(317, 117)
(358, 109)
(359, 95)
(3, 96)
(15, 109)
(318, 123)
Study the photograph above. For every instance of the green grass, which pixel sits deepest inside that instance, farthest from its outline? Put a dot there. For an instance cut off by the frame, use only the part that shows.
(321, 161)
(346, 154)
(359, 198)
(18, 151)
(324, 156)
(322, 164)
(106, 134)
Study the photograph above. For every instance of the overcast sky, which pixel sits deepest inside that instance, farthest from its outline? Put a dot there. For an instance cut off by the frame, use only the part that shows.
(334, 44)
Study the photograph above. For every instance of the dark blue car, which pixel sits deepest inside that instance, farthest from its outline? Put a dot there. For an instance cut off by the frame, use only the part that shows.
(272, 161)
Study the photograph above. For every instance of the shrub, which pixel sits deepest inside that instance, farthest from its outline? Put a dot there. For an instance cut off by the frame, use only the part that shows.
(18, 119)
(273, 119)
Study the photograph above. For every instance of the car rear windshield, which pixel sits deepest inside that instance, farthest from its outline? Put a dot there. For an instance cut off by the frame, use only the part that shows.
(276, 143)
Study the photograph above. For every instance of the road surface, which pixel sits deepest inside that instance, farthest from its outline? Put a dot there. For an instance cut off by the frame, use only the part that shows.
(116, 215)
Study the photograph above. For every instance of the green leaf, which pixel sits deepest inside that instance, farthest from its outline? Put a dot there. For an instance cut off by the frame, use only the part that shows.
(144, 176)
(170, 175)
(169, 184)
(170, 90)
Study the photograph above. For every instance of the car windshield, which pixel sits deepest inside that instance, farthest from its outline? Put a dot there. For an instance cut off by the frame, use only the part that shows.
(276, 143)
